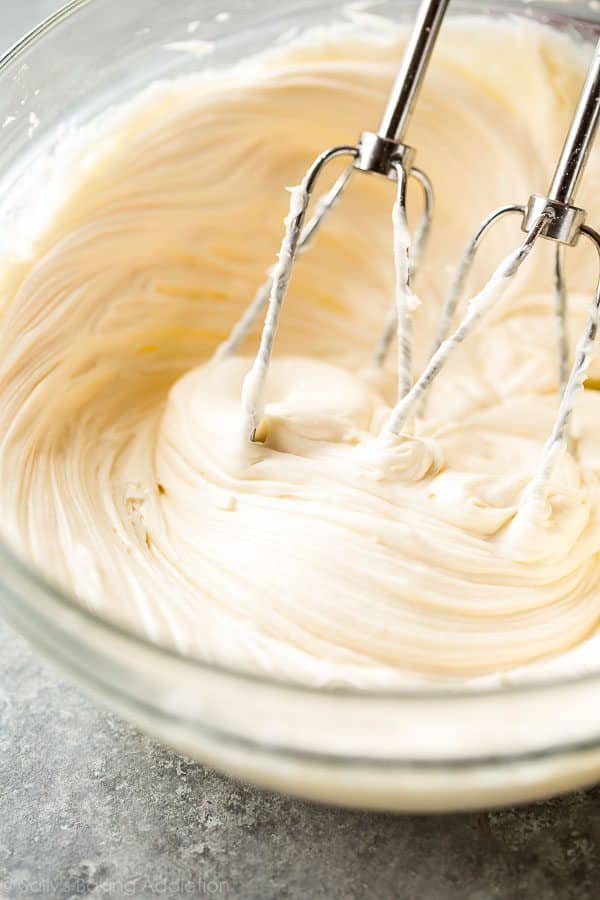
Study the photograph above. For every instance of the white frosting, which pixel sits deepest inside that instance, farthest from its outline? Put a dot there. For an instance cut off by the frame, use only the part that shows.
(326, 553)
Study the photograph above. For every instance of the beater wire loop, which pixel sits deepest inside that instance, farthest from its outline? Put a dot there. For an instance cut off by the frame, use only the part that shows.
(424, 224)
(476, 309)
(403, 293)
(417, 249)
(535, 493)
(560, 313)
(254, 384)
(244, 324)
(463, 268)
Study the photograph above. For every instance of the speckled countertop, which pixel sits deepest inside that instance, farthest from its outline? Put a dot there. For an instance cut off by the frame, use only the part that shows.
(88, 806)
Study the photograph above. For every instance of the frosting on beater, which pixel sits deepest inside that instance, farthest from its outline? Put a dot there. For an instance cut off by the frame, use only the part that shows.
(321, 553)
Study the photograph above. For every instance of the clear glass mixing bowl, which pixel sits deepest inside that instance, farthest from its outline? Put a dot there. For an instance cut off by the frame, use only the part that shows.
(418, 750)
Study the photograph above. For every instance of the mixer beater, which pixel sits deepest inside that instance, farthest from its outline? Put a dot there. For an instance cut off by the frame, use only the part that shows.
(383, 153)
(554, 217)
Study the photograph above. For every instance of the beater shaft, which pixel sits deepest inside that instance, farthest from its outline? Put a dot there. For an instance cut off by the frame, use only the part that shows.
(579, 140)
(379, 150)
(566, 221)
(412, 70)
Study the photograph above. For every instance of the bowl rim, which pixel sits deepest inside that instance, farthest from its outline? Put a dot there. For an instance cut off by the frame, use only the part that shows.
(11, 559)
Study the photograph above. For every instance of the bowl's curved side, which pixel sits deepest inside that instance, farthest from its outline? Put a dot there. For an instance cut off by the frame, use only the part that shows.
(352, 747)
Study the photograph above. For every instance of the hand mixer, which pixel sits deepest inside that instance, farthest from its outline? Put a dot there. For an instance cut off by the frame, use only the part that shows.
(554, 217)
(383, 153)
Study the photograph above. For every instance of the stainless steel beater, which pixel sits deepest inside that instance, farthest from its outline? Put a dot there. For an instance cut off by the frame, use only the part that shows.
(383, 153)
(554, 217)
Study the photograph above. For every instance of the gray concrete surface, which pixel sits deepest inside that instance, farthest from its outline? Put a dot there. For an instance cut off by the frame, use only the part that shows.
(88, 806)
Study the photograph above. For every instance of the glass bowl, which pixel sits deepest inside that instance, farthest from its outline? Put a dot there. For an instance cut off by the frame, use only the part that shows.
(401, 750)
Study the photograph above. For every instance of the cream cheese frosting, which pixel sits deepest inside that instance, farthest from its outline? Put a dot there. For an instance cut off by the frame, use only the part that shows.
(322, 553)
